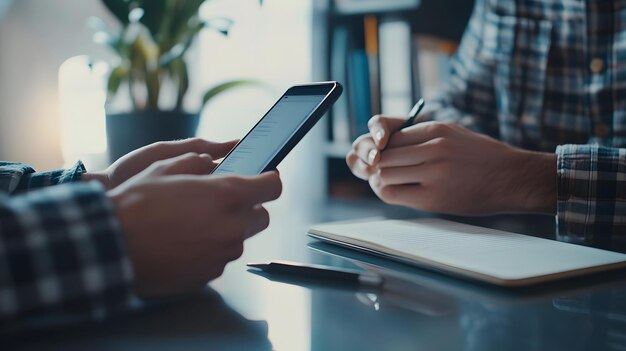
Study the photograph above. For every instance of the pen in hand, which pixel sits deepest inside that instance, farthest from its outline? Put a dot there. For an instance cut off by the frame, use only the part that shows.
(415, 111)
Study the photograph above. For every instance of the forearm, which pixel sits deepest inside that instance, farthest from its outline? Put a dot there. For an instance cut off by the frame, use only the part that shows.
(534, 186)
(61, 246)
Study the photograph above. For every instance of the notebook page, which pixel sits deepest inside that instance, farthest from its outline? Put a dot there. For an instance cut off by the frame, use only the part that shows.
(486, 251)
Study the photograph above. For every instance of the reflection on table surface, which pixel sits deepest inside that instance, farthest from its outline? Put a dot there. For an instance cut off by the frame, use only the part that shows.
(198, 321)
(416, 309)
(442, 313)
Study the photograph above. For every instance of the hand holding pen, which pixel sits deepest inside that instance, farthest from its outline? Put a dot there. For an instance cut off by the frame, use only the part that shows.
(367, 149)
(415, 111)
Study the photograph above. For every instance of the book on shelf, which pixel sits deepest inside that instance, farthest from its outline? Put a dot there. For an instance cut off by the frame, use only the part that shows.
(372, 49)
(353, 63)
(432, 63)
(384, 67)
(359, 92)
(340, 113)
(396, 74)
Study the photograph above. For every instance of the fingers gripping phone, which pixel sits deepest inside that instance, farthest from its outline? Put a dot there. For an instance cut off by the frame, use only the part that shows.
(280, 130)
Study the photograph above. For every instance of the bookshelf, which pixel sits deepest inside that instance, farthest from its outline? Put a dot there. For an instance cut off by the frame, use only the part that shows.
(386, 54)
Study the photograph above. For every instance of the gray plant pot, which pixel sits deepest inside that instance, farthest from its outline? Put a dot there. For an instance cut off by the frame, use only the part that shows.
(129, 131)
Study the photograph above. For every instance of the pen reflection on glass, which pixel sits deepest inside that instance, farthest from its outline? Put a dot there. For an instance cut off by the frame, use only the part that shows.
(402, 292)
(374, 287)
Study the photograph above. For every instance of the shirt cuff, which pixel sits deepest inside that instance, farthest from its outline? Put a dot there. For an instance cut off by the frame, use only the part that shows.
(591, 186)
(57, 177)
(11, 175)
(39, 180)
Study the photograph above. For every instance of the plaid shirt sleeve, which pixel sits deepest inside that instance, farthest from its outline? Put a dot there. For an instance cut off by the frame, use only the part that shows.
(16, 178)
(60, 246)
(591, 191)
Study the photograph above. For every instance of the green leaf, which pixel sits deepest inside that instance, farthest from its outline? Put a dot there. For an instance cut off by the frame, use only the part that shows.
(119, 8)
(153, 87)
(178, 72)
(188, 9)
(144, 44)
(182, 45)
(117, 76)
(153, 47)
(223, 87)
(175, 53)
(182, 14)
(219, 24)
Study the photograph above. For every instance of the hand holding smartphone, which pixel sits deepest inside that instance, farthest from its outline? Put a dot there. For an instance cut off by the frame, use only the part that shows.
(280, 130)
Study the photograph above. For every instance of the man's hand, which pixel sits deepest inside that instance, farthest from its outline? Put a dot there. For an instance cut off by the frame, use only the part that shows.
(443, 167)
(182, 227)
(140, 159)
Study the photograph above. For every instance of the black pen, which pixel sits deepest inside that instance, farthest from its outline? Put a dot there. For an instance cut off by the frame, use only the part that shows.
(319, 273)
(415, 111)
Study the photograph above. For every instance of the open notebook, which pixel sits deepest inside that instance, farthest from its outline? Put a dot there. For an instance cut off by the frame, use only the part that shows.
(489, 255)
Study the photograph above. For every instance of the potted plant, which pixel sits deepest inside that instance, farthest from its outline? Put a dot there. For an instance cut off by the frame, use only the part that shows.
(150, 46)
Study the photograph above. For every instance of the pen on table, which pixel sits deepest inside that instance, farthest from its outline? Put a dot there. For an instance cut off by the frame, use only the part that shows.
(319, 273)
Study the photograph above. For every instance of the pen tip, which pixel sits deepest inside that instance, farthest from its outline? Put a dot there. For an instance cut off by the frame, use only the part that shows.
(256, 265)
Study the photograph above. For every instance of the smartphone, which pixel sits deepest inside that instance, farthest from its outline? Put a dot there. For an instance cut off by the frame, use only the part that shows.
(280, 130)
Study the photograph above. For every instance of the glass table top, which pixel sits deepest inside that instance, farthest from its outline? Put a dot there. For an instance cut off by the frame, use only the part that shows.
(417, 309)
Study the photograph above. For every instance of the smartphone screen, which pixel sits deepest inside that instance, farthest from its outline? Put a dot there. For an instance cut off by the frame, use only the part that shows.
(275, 131)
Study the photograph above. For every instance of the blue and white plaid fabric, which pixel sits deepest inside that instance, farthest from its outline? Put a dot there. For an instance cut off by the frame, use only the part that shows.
(551, 75)
(60, 244)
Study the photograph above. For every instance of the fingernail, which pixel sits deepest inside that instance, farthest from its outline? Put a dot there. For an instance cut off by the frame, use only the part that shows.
(379, 134)
(374, 180)
(372, 156)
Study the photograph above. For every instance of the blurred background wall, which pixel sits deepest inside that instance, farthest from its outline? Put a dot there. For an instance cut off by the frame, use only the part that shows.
(35, 38)
(270, 43)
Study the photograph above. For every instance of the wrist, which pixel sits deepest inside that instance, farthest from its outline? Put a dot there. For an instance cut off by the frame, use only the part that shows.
(101, 177)
(536, 174)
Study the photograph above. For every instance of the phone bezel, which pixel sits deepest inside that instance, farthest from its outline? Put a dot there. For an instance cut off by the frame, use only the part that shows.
(331, 90)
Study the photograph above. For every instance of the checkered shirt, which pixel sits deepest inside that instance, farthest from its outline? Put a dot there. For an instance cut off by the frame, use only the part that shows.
(551, 75)
(60, 244)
